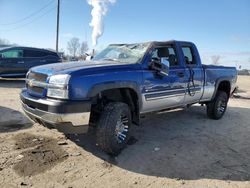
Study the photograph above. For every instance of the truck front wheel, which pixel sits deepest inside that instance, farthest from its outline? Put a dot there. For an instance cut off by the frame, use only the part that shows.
(113, 128)
(217, 107)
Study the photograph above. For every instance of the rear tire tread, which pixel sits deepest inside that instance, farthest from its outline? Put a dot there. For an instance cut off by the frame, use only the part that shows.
(211, 106)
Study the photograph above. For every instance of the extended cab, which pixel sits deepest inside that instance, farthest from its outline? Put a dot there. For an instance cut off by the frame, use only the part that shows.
(119, 84)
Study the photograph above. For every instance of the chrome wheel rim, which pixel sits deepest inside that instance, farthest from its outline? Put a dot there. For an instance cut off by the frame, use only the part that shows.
(221, 106)
(122, 129)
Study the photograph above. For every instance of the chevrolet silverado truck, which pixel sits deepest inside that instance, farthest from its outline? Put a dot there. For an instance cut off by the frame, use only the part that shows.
(123, 81)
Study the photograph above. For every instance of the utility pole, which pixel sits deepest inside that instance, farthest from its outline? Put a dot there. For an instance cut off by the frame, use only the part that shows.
(57, 24)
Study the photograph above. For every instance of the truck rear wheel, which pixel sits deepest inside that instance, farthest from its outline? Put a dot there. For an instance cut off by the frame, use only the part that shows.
(217, 107)
(113, 128)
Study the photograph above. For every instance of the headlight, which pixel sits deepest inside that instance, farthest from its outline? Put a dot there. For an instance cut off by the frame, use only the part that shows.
(58, 86)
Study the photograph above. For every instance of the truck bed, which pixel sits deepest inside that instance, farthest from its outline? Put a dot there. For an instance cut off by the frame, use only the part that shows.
(213, 74)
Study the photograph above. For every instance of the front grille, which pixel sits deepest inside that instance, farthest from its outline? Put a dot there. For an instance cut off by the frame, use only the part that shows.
(32, 80)
(35, 89)
(37, 77)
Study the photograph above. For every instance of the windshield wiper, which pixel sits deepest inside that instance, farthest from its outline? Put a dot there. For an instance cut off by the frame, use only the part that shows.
(109, 59)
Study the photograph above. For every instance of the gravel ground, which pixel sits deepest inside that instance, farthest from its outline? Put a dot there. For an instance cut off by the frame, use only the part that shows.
(180, 148)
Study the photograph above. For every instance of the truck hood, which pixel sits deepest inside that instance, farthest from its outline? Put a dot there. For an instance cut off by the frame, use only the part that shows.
(82, 67)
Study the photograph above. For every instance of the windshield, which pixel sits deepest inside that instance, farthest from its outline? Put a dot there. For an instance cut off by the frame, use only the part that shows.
(123, 53)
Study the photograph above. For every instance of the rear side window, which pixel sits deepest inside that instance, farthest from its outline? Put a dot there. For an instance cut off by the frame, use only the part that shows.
(34, 53)
(12, 54)
(53, 54)
(40, 54)
(189, 56)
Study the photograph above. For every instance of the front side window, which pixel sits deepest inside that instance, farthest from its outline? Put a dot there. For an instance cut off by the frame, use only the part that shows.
(12, 54)
(165, 52)
(124, 53)
(189, 56)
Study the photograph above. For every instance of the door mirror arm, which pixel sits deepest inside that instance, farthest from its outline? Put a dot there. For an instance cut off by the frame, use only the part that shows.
(161, 66)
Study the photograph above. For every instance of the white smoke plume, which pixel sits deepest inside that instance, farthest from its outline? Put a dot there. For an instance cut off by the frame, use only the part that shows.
(100, 9)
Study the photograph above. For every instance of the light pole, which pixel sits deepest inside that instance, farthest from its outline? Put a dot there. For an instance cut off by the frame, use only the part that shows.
(57, 24)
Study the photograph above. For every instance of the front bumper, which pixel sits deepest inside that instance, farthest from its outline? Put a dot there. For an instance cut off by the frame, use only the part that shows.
(66, 116)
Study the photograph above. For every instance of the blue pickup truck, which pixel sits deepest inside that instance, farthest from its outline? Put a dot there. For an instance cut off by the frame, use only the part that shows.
(123, 81)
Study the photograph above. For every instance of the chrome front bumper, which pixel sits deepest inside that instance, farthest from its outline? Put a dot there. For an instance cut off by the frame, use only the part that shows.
(77, 119)
(66, 116)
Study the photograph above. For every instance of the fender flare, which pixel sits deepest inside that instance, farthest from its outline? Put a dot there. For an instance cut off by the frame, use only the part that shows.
(115, 85)
(218, 81)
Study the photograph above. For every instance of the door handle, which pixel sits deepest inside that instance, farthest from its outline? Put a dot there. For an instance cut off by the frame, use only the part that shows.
(20, 62)
(180, 74)
(43, 61)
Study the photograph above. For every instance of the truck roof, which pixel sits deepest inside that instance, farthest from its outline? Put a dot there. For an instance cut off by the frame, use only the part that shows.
(24, 47)
(156, 42)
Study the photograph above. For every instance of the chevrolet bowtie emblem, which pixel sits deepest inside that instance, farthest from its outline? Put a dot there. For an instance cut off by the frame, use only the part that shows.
(31, 83)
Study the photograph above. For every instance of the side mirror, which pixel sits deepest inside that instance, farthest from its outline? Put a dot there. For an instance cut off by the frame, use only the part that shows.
(162, 66)
(165, 66)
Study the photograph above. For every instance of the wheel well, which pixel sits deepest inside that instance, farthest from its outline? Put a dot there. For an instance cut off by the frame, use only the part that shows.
(126, 95)
(225, 86)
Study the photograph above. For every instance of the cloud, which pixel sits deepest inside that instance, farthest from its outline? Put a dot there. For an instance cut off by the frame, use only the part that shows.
(99, 10)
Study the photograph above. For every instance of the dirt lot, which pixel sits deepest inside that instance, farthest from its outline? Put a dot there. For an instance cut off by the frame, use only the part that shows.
(181, 148)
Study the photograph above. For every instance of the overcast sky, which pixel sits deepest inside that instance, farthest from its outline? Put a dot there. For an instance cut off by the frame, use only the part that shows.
(217, 27)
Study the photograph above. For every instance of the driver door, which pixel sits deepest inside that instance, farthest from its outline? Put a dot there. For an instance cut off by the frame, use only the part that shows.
(161, 92)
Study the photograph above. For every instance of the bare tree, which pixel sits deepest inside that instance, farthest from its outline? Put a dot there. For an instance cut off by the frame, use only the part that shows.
(73, 46)
(84, 48)
(215, 59)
